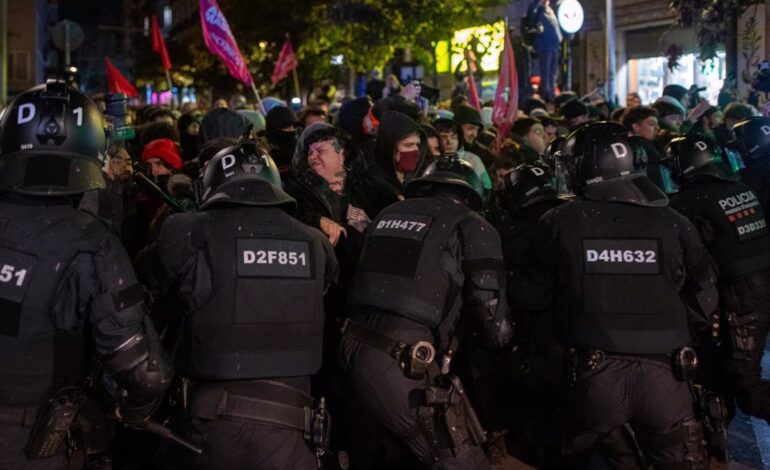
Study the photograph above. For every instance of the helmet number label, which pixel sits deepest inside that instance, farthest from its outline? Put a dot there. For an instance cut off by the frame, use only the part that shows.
(79, 113)
(25, 113)
(619, 149)
(228, 161)
(619, 256)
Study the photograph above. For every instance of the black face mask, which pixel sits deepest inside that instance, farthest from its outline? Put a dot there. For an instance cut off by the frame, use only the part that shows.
(284, 143)
(281, 138)
(189, 144)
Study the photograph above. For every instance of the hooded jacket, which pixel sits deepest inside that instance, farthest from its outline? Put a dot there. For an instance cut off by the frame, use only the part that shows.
(223, 122)
(350, 119)
(188, 142)
(395, 126)
(314, 197)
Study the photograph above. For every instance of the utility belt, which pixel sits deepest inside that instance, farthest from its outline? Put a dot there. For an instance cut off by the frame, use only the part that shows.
(446, 408)
(415, 360)
(683, 362)
(753, 282)
(263, 401)
(709, 406)
(742, 323)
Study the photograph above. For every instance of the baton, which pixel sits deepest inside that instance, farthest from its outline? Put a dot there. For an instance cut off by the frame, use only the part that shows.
(164, 432)
(149, 184)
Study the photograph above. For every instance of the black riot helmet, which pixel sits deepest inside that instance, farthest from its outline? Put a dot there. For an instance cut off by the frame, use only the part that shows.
(526, 185)
(693, 156)
(243, 174)
(752, 138)
(449, 170)
(600, 161)
(52, 142)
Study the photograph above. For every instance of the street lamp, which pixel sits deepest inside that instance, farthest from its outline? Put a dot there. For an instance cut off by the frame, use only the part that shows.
(570, 15)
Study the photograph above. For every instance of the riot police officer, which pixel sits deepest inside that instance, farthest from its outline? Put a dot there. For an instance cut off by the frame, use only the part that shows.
(733, 227)
(428, 263)
(752, 138)
(528, 192)
(253, 279)
(61, 271)
(534, 369)
(612, 266)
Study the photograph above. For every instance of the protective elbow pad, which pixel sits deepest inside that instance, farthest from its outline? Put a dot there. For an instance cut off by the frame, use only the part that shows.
(495, 328)
(141, 369)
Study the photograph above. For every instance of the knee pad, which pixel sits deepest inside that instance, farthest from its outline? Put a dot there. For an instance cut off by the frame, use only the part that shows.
(683, 447)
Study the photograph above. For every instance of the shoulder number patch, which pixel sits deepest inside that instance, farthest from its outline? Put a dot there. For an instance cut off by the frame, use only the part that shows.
(745, 214)
(409, 226)
(265, 257)
(15, 273)
(621, 256)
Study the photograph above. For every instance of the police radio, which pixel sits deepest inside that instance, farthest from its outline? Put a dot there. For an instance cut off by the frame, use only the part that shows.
(53, 423)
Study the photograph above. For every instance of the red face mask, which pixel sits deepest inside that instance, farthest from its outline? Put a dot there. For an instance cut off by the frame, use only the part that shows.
(407, 161)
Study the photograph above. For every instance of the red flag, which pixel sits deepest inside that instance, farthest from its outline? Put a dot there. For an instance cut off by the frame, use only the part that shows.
(470, 82)
(220, 41)
(286, 62)
(507, 94)
(159, 45)
(116, 82)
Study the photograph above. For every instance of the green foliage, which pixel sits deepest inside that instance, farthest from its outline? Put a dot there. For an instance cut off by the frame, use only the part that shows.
(366, 32)
(370, 35)
(711, 20)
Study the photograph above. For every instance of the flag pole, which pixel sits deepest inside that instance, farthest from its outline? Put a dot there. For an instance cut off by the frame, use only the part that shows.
(471, 79)
(171, 89)
(294, 73)
(259, 99)
(296, 83)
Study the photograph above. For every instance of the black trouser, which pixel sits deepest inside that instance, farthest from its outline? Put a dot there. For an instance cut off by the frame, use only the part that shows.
(233, 422)
(240, 444)
(394, 400)
(750, 306)
(646, 395)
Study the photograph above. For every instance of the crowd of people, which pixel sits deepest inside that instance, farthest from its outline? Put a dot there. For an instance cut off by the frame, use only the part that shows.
(588, 291)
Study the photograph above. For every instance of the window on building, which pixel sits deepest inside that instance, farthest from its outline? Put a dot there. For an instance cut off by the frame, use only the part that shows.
(167, 16)
(648, 76)
(18, 66)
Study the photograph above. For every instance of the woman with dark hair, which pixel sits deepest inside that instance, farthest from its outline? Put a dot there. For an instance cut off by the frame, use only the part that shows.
(330, 180)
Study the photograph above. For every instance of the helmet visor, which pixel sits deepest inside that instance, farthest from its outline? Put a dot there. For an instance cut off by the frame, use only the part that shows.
(734, 160)
(562, 179)
(666, 177)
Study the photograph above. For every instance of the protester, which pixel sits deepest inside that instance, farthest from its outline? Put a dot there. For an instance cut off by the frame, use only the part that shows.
(453, 142)
(547, 45)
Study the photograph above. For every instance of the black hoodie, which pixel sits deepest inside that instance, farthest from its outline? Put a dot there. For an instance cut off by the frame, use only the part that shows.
(394, 126)
(314, 197)
(350, 118)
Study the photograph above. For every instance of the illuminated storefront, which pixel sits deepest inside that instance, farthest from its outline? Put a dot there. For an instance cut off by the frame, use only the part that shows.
(644, 68)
